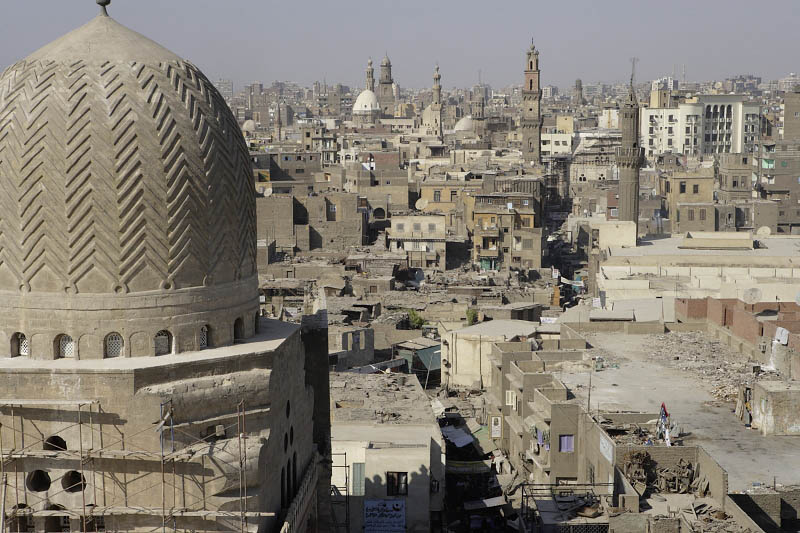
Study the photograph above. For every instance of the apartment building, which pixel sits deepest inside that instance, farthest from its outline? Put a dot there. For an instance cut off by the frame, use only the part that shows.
(505, 233)
(705, 124)
(421, 237)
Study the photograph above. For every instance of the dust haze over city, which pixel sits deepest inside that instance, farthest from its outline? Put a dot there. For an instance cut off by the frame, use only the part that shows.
(399, 267)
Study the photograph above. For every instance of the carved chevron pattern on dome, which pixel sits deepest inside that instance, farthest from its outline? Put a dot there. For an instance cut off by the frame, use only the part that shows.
(120, 176)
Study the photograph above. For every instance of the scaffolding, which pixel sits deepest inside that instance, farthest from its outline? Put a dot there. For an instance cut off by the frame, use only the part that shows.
(100, 445)
(340, 494)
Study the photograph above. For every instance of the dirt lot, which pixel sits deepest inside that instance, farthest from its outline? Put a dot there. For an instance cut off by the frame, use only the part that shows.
(649, 374)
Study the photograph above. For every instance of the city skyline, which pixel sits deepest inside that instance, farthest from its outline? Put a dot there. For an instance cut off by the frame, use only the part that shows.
(242, 42)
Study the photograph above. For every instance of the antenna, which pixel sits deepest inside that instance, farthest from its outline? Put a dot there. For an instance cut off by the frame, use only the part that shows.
(634, 60)
(479, 77)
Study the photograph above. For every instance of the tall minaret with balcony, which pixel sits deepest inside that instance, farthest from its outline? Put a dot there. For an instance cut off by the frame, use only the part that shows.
(629, 159)
(436, 105)
(370, 76)
(531, 120)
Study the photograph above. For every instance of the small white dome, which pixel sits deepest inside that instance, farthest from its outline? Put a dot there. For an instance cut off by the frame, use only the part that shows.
(249, 126)
(465, 124)
(366, 102)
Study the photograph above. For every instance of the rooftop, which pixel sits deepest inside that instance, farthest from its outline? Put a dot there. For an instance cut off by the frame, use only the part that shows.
(773, 246)
(378, 398)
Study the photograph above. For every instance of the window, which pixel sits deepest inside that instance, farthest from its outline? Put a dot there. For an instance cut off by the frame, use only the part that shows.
(400, 226)
(453, 196)
(511, 398)
(397, 483)
(437, 196)
(204, 337)
(299, 171)
(20, 345)
(66, 347)
(613, 212)
(667, 186)
(695, 189)
(682, 187)
(163, 342)
(431, 227)
(417, 226)
(358, 479)
(691, 214)
(702, 213)
(566, 443)
(114, 345)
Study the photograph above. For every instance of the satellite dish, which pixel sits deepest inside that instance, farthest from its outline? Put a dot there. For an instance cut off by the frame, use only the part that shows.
(764, 231)
(421, 204)
(751, 296)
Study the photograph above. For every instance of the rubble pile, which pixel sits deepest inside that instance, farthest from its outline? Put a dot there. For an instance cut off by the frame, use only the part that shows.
(712, 361)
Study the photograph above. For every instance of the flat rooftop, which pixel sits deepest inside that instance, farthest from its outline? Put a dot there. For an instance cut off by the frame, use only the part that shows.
(378, 398)
(788, 246)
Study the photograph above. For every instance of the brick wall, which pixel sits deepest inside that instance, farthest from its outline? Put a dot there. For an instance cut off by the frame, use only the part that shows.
(692, 309)
(663, 456)
(716, 475)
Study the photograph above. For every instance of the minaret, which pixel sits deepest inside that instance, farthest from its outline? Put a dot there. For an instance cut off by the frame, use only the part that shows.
(531, 121)
(370, 76)
(278, 123)
(386, 89)
(629, 159)
(436, 105)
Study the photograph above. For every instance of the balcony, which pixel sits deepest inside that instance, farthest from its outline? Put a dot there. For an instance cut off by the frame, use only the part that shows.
(300, 508)
(488, 252)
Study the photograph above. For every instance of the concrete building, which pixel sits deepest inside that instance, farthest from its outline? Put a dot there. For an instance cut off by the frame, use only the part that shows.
(505, 233)
(465, 352)
(683, 195)
(705, 124)
(421, 237)
(388, 453)
(131, 335)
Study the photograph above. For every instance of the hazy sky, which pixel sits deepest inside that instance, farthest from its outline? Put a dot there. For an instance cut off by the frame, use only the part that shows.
(307, 40)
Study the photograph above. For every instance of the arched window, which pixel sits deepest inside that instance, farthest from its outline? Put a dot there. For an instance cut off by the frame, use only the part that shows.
(20, 345)
(289, 486)
(238, 330)
(113, 345)
(204, 336)
(163, 342)
(65, 347)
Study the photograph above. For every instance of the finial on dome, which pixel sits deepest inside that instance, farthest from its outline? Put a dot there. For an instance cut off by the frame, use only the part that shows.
(103, 5)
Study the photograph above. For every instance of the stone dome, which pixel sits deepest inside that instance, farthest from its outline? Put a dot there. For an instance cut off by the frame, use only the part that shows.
(465, 124)
(249, 126)
(366, 102)
(127, 217)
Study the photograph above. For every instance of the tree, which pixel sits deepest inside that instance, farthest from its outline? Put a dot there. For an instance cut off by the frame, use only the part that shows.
(415, 319)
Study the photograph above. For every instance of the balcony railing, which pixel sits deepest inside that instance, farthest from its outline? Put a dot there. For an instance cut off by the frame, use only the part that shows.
(306, 494)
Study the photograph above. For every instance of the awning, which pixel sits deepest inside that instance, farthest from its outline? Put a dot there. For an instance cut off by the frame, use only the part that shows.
(457, 436)
(488, 503)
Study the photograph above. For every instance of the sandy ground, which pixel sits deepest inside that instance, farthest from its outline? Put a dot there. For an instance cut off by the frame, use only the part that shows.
(640, 384)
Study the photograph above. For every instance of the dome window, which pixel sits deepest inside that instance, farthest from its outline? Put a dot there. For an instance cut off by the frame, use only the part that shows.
(204, 333)
(20, 345)
(113, 345)
(238, 330)
(163, 342)
(65, 347)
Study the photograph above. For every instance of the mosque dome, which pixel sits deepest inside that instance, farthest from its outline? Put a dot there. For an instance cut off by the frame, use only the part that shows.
(127, 219)
(249, 126)
(366, 102)
(385, 62)
(465, 124)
